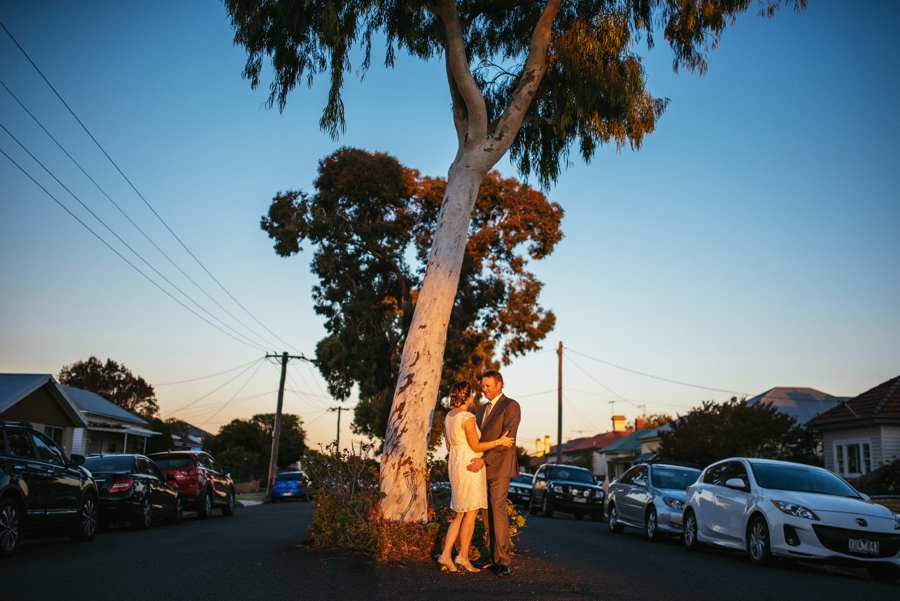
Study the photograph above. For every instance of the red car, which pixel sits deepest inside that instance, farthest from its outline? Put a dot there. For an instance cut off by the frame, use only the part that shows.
(203, 484)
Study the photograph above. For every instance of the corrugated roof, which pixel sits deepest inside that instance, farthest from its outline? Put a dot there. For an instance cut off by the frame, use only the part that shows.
(595, 442)
(880, 401)
(628, 444)
(801, 403)
(93, 403)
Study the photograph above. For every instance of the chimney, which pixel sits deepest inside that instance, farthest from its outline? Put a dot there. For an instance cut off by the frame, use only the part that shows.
(639, 423)
(618, 423)
(546, 445)
(537, 447)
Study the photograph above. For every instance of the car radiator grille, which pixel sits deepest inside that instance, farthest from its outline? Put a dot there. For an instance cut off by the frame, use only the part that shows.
(836, 539)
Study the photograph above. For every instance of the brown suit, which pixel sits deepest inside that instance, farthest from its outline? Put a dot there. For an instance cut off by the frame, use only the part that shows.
(502, 464)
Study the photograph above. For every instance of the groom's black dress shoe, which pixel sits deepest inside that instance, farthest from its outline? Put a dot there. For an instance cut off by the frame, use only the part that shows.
(503, 571)
(483, 564)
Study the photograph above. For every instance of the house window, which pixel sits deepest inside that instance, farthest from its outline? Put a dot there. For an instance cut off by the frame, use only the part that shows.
(53, 433)
(853, 458)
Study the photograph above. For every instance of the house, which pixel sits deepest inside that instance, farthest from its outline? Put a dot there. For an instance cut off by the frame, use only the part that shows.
(193, 441)
(81, 422)
(802, 404)
(583, 451)
(863, 433)
(621, 454)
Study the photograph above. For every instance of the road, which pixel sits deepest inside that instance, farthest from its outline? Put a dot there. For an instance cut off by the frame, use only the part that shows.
(254, 554)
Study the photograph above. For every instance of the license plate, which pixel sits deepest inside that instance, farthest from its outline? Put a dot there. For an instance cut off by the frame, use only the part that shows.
(864, 546)
(288, 494)
(580, 500)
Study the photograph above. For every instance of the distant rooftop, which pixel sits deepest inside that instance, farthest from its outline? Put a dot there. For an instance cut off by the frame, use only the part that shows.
(802, 404)
(882, 401)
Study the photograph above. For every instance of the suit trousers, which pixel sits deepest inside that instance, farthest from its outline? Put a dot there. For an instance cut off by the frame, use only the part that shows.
(498, 520)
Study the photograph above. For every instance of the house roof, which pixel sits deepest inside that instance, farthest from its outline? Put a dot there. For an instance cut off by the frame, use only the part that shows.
(628, 444)
(881, 401)
(96, 404)
(802, 404)
(15, 387)
(594, 442)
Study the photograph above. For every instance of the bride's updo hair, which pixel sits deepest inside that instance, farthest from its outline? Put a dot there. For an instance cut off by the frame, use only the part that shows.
(459, 393)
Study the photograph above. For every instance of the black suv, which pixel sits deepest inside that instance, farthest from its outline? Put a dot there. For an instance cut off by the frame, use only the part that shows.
(41, 487)
(566, 488)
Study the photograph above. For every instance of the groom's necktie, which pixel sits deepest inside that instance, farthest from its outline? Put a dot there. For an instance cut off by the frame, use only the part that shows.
(487, 412)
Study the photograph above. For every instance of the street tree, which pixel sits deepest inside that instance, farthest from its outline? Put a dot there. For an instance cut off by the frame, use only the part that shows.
(251, 439)
(532, 79)
(368, 218)
(717, 431)
(113, 382)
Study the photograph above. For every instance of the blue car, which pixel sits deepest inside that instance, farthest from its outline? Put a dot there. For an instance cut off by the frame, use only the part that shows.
(288, 485)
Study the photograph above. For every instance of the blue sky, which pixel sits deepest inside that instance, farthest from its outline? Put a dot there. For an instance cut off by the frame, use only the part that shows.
(752, 242)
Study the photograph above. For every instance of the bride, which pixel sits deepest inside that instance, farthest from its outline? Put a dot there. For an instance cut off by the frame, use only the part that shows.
(468, 489)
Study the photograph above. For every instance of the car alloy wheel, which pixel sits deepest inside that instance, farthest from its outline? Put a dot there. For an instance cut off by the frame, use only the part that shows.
(758, 542)
(178, 514)
(86, 528)
(546, 507)
(143, 520)
(229, 508)
(691, 542)
(614, 525)
(9, 527)
(205, 509)
(652, 525)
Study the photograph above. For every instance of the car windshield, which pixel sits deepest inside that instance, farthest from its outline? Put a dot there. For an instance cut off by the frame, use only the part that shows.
(572, 474)
(173, 462)
(108, 463)
(800, 479)
(289, 477)
(673, 478)
(527, 479)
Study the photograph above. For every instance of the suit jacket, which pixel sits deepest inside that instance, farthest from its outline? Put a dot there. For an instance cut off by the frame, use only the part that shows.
(501, 462)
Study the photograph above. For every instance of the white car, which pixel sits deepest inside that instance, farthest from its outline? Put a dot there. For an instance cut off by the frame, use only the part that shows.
(776, 508)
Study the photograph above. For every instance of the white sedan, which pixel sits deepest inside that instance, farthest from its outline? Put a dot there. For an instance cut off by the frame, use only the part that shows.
(776, 508)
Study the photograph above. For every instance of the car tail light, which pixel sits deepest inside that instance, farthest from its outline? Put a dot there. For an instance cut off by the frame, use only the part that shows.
(121, 485)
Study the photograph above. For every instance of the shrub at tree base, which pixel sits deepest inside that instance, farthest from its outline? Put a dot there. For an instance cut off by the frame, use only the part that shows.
(345, 495)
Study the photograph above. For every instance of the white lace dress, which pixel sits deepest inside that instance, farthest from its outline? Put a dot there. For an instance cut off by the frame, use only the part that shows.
(469, 489)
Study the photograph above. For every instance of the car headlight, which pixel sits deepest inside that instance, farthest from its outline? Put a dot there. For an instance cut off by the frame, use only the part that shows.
(673, 503)
(598, 493)
(897, 521)
(557, 488)
(795, 510)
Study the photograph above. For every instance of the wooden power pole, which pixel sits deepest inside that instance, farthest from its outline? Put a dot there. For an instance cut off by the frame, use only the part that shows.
(559, 443)
(276, 429)
(338, 438)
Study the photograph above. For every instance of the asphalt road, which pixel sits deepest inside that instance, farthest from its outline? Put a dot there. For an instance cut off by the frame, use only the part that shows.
(255, 554)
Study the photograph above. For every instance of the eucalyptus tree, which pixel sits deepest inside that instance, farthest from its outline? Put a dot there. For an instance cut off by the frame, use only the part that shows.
(534, 79)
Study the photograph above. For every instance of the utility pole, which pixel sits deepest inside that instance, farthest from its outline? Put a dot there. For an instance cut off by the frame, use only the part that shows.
(559, 352)
(276, 429)
(338, 440)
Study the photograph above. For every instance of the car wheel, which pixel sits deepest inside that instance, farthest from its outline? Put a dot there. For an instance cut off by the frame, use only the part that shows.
(547, 507)
(758, 542)
(86, 528)
(178, 514)
(205, 508)
(229, 507)
(532, 508)
(10, 528)
(883, 573)
(142, 521)
(597, 515)
(614, 525)
(651, 525)
(690, 540)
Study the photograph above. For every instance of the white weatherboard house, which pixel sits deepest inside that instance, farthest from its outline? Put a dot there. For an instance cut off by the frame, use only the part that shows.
(863, 433)
(79, 421)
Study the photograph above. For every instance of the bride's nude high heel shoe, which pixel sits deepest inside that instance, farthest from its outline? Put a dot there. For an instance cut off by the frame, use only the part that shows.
(446, 563)
(466, 564)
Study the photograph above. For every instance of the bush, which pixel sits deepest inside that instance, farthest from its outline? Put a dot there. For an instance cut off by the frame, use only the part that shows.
(882, 481)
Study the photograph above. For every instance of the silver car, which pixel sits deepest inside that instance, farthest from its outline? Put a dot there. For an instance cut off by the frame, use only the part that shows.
(650, 497)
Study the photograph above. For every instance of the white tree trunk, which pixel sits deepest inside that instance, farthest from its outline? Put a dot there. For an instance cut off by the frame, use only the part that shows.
(406, 443)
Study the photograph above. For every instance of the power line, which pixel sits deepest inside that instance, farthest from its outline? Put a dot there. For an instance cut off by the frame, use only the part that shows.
(219, 410)
(132, 265)
(205, 377)
(25, 54)
(216, 389)
(128, 217)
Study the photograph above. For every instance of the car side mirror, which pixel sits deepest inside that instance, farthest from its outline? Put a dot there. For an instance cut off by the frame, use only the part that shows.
(227, 471)
(865, 496)
(736, 483)
(76, 460)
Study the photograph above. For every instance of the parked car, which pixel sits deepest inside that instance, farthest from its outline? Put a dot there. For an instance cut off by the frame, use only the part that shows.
(780, 509)
(133, 489)
(200, 480)
(566, 488)
(650, 497)
(288, 485)
(520, 489)
(42, 487)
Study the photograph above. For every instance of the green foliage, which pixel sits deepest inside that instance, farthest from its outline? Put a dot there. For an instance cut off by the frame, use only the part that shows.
(734, 429)
(244, 464)
(884, 480)
(115, 383)
(369, 214)
(253, 437)
(594, 90)
(163, 442)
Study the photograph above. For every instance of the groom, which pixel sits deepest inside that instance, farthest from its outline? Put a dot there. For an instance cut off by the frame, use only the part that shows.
(497, 416)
